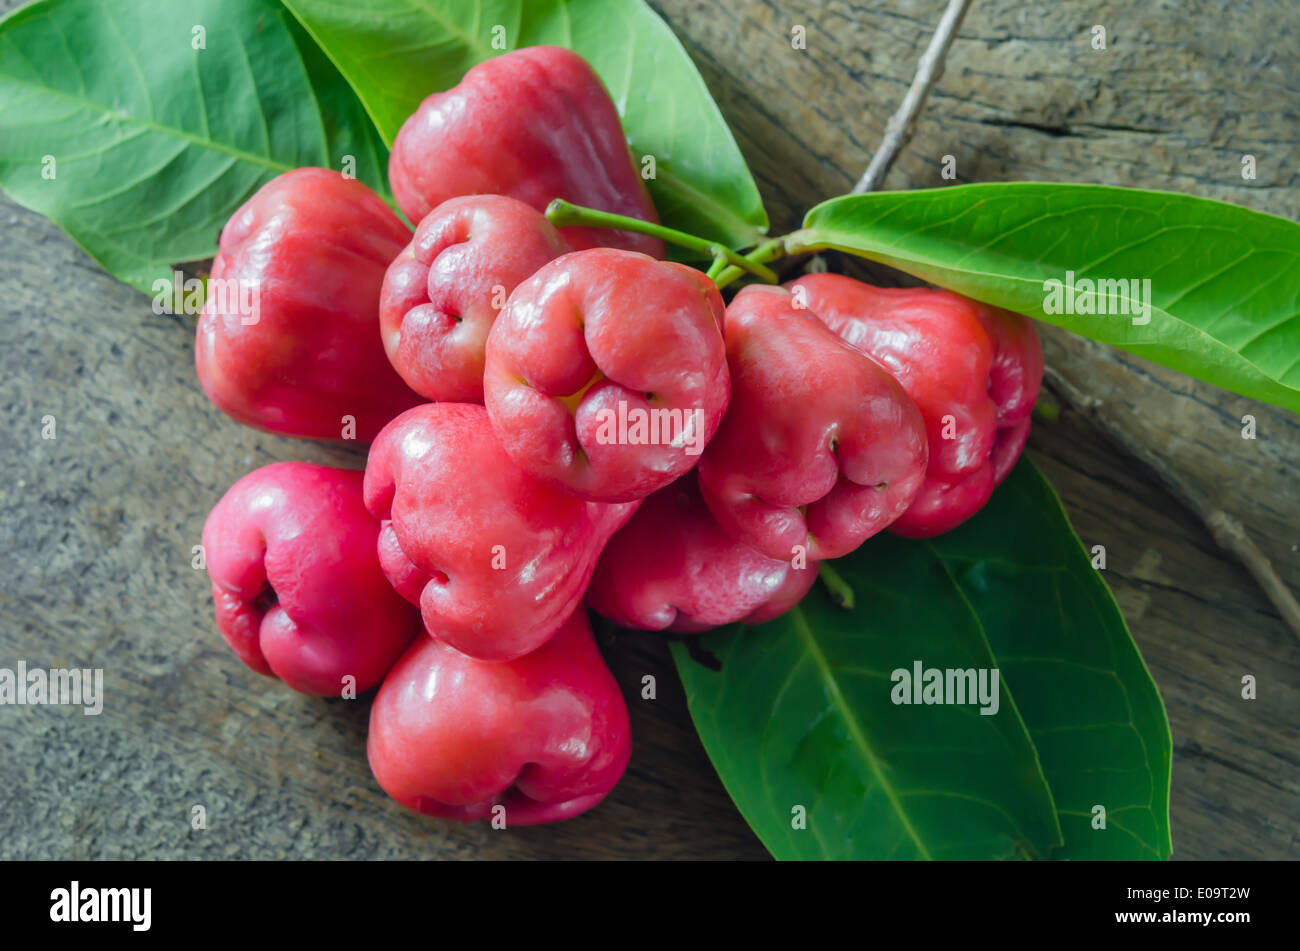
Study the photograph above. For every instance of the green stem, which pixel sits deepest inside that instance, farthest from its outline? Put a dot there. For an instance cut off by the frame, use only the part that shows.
(564, 214)
(719, 264)
(839, 589)
(769, 250)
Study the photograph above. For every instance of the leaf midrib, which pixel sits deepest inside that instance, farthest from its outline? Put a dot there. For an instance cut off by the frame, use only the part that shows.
(855, 729)
(486, 51)
(133, 120)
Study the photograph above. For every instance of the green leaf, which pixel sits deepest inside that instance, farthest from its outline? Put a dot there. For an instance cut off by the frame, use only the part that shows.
(1224, 280)
(801, 711)
(397, 52)
(154, 144)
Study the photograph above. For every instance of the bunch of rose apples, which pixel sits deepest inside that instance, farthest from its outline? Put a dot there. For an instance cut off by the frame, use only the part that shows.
(555, 416)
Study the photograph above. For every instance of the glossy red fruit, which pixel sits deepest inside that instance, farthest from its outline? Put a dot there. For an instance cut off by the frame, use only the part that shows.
(538, 739)
(496, 560)
(443, 292)
(974, 372)
(820, 448)
(672, 567)
(535, 124)
(303, 357)
(298, 588)
(607, 374)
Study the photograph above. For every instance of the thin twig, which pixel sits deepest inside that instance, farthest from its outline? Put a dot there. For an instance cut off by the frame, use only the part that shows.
(899, 129)
(1226, 531)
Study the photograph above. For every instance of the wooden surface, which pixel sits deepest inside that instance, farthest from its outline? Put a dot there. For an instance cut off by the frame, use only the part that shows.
(97, 525)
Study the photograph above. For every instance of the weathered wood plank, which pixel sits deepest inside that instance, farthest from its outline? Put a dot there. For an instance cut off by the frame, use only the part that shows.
(97, 525)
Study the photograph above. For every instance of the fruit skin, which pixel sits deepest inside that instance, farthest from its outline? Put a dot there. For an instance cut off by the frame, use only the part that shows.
(455, 509)
(535, 124)
(813, 428)
(955, 357)
(590, 331)
(317, 245)
(304, 530)
(673, 568)
(443, 291)
(546, 735)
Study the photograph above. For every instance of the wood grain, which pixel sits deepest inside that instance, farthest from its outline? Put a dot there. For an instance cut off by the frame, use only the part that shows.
(97, 524)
